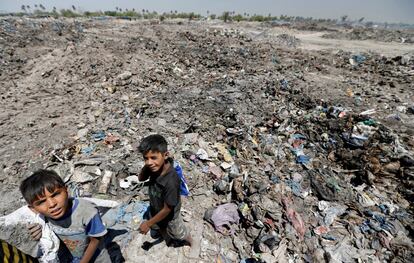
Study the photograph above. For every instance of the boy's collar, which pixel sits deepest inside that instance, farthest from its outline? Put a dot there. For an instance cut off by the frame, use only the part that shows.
(166, 170)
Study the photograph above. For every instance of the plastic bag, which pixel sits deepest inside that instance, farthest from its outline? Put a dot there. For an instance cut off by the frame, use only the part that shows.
(183, 183)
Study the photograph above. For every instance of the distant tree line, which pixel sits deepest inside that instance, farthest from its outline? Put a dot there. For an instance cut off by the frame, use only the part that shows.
(39, 10)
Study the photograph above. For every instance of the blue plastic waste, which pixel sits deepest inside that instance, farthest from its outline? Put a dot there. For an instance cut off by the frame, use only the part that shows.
(124, 213)
(359, 58)
(88, 150)
(297, 149)
(295, 186)
(365, 226)
(98, 136)
(302, 159)
(284, 84)
(275, 179)
(183, 183)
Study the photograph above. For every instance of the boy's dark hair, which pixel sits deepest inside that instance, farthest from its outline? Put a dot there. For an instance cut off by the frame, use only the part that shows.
(155, 143)
(34, 186)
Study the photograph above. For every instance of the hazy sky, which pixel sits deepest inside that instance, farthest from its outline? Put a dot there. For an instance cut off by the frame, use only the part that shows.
(374, 10)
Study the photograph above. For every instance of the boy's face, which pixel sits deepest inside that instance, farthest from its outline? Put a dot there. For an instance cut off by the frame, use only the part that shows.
(52, 204)
(155, 160)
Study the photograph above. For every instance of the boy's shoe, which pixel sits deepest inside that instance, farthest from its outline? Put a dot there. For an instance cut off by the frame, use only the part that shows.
(177, 243)
(155, 234)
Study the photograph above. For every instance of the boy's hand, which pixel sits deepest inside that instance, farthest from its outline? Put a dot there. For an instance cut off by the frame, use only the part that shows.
(35, 231)
(144, 227)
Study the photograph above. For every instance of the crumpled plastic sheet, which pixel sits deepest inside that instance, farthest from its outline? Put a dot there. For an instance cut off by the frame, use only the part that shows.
(124, 213)
(343, 252)
(266, 242)
(297, 144)
(284, 84)
(359, 58)
(88, 150)
(303, 159)
(379, 222)
(295, 186)
(225, 215)
(280, 252)
(332, 213)
(294, 217)
(98, 136)
(324, 185)
(47, 249)
(356, 141)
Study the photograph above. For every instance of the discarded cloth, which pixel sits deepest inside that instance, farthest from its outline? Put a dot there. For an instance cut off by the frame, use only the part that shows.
(223, 216)
(125, 213)
(294, 218)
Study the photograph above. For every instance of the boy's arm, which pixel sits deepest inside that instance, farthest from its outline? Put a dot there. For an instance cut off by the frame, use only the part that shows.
(146, 225)
(95, 230)
(143, 175)
(90, 250)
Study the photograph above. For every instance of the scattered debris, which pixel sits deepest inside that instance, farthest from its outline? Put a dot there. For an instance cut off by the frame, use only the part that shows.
(290, 154)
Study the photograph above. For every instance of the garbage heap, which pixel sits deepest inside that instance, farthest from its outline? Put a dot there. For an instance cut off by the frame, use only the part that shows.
(368, 33)
(276, 173)
(305, 181)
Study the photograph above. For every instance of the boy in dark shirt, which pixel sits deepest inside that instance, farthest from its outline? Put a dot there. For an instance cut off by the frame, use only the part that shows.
(164, 191)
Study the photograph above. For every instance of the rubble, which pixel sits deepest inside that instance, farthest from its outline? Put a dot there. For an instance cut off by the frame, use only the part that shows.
(296, 144)
(377, 34)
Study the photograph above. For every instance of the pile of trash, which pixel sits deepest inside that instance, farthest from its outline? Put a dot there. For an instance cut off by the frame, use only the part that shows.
(322, 185)
(287, 40)
(383, 35)
(281, 166)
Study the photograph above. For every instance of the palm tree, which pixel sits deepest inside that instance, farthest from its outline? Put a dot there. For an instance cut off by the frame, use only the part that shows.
(54, 9)
(42, 7)
(23, 8)
(28, 8)
(116, 8)
(74, 8)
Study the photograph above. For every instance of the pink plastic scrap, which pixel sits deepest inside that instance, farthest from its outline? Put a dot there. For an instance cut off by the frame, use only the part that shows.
(223, 216)
(294, 218)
